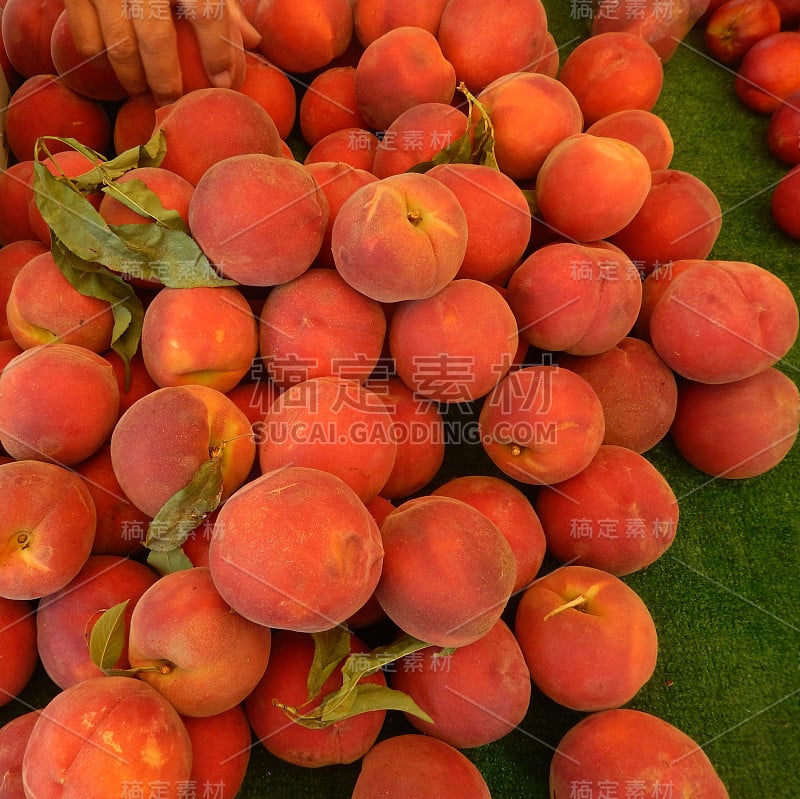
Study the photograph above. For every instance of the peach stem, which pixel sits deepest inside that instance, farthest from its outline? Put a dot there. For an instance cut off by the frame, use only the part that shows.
(573, 603)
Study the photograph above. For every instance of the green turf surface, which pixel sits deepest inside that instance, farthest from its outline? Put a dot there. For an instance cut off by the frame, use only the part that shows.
(728, 671)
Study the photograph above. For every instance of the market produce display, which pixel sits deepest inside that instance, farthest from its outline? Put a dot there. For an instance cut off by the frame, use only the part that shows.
(416, 417)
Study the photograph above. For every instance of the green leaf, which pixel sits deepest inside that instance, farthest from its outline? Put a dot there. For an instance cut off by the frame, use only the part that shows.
(175, 560)
(139, 198)
(371, 696)
(331, 647)
(187, 508)
(107, 638)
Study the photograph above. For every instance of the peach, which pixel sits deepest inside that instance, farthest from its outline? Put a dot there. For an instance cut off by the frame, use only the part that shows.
(575, 297)
(549, 62)
(680, 218)
(456, 345)
(303, 36)
(232, 124)
(783, 130)
(121, 526)
(541, 424)
(512, 512)
(51, 521)
(263, 197)
(44, 106)
(589, 187)
(498, 219)
(16, 192)
(769, 72)
(12, 77)
(637, 390)
(14, 736)
(353, 146)
(415, 764)
(541, 106)
(272, 89)
(90, 77)
(588, 638)
(320, 563)
(192, 647)
(27, 30)
(220, 751)
(64, 619)
(418, 427)
(487, 40)
(58, 402)
(190, 58)
(130, 735)
(132, 385)
(329, 104)
(448, 571)
(161, 441)
(18, 653)
(643, 129)
(373, 18)
(8, 349)
(618, 514)
(735, 26)
(400, 238)
(623, 746)
(400, 69)
(200, 336)
(14, 256)
(134, 122)
(784, 203)
(738, 429)
(611, 72)
(745, 316)
(475, 695)
(286, 681)
(416, 136)
(44, 307)
(316, 325)
(334, 424)
(337, 180)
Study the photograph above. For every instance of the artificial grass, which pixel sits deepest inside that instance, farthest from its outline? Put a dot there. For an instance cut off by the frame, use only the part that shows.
(728, 671)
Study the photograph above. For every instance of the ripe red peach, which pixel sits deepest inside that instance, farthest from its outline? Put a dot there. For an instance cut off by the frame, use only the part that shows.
(738, 429)
(618, 514)
(353, 146)
(16, 192)
(487, 40)
(161, 441)
(400, 238)
(783, 130)
(232, 124)
(316, 325)
(680, 218)
(625, 746)
(541, 106)
(498, 219)
(410, 764)
(769, 72)
(400, 69)
(18, 652)
(735, 26)
(373, 18)
(286, 681)
(637, 390)
(785, 202)
(206, 657)
(588, 638)
(130, 735)
(14, 256)
(549, 62)
(541, 424)
(65, 619)
(456, 345)
(643, 129)
(475, 695)
(272, 89)
(334, 424)
(448, 571)
(134, 122)
(50, 521)
(134, 382)
(320, 564)
(263, 196)
(14, 736)
(329, 104)
(589, 187)
(58, 402)
(27, 30)
(304, 36)
(611, 72)
(512, 512)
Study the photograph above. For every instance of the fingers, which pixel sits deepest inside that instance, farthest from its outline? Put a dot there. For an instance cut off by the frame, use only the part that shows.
(221, 46)
(158, 48)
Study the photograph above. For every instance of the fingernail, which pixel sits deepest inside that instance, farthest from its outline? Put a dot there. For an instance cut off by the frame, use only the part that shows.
(222, 80)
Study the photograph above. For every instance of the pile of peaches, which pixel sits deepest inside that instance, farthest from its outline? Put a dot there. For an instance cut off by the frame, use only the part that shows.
(232, 369)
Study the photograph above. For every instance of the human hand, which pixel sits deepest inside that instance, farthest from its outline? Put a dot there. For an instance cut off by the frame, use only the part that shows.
(138, 38)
